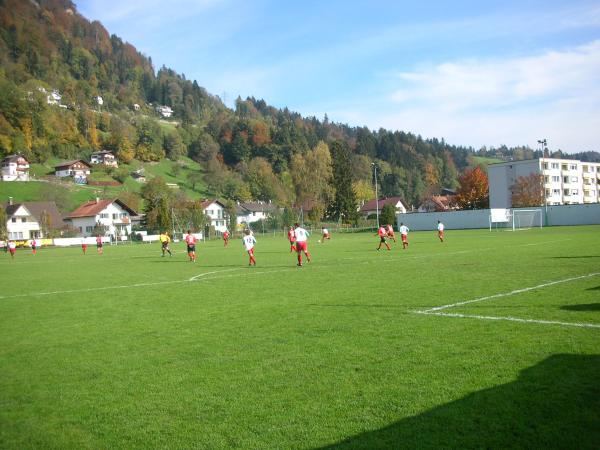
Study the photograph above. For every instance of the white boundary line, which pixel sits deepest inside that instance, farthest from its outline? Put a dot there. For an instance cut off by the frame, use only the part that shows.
(512, 319)
(435, 311)
(105, 288)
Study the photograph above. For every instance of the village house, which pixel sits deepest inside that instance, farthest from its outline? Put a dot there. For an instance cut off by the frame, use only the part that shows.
(249, 212)
(112, 217)
(164, 111)
(29, 220)
(104, 157)
(215, 210)
(15, 168)
(371, 207)
(77, 169)
(438, 203)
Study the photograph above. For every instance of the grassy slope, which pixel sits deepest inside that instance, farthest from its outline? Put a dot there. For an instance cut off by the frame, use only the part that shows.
(31, 191)
(281, 357)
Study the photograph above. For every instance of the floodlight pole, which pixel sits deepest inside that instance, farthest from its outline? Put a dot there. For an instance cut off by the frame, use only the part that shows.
(544, 144)
(376, 196)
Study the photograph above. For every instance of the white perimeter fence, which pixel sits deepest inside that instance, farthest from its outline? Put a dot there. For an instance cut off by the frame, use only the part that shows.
(588, 214)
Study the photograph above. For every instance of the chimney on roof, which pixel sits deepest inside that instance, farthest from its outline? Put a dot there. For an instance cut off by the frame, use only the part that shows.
(10, 200)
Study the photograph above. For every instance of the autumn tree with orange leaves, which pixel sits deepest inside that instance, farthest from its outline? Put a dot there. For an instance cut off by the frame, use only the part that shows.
(473, 192)
(528, 191)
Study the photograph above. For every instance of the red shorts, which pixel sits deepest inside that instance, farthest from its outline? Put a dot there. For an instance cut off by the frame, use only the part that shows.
(12, 250)
(301, 246)
(404, 236)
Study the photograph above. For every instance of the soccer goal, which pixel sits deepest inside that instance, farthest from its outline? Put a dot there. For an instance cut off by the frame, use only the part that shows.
(523, 219)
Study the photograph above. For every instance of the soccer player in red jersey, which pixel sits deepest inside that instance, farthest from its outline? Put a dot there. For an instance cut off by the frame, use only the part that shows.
(225, 238)
(301, 243)
(292, 239)
(390, 232)
(33, 246)
(190, 240)
(83, 246)
(99, 245)
(383, 234)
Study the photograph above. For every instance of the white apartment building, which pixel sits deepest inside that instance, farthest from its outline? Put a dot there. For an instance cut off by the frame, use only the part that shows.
(566, 181)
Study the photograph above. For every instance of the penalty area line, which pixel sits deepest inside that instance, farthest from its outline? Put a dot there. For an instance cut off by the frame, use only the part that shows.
(510, 319)
(507, 294)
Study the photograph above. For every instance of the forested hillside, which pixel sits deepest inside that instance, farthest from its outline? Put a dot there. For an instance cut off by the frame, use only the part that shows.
(253, 152)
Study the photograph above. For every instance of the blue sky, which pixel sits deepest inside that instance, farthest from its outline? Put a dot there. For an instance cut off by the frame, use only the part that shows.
(472, 72)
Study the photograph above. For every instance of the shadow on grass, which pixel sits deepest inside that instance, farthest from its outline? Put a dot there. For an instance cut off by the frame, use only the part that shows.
(597, 288)
(576, 257)
(583, 307)
(554, 404)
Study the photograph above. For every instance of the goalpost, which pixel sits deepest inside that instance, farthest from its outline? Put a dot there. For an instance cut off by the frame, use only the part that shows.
(527, 218)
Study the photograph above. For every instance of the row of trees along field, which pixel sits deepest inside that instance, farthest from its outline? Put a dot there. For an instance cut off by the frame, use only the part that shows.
(254, 151)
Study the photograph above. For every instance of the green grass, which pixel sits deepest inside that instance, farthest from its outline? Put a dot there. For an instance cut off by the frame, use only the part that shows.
(486, 161)
(122, 351)
(31, 191)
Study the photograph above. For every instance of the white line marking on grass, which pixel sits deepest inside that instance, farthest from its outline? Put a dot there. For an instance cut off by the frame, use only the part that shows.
(100, 288)
(435, 311)
(156, 283)
(196, 277)
(512, 319)
(516, 291)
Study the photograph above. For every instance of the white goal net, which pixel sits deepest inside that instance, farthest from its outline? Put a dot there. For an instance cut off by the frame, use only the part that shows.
(523, 219)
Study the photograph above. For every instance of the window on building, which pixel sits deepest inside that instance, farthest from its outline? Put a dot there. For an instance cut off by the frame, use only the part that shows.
(555, 191)
(89, 229)
(586, 193)
(565, 179)
(80, 229)
(566, 192)
(555, 179)
(574, 191)
(104, 215)
(23, 219)
(554, 165)
(115, 216)
(565, 167)
(546, 179)
(123, 215)
(548, 193)
(585, 169)
(574, 179)
(545, 166)
(13, 220)
(573, 166)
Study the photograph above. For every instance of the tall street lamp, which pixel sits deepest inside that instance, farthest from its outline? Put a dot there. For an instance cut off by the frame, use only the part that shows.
(376, 196)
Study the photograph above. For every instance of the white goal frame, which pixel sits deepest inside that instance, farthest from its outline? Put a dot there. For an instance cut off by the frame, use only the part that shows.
(516, 221)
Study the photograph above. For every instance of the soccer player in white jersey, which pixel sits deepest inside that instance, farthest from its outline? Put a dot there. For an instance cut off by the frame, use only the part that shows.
(249, 241)
(301, 243)
(441, 231)
(404, 235)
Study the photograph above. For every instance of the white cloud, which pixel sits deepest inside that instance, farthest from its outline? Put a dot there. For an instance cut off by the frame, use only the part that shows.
(553, 95)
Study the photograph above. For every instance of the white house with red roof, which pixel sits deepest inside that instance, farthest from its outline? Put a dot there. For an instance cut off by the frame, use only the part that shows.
(78, 169)
(216, 211)
(15, 168)
(113, 215)
(372, 206)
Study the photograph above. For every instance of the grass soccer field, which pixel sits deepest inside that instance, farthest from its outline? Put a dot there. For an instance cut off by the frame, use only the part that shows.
(489, 340)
